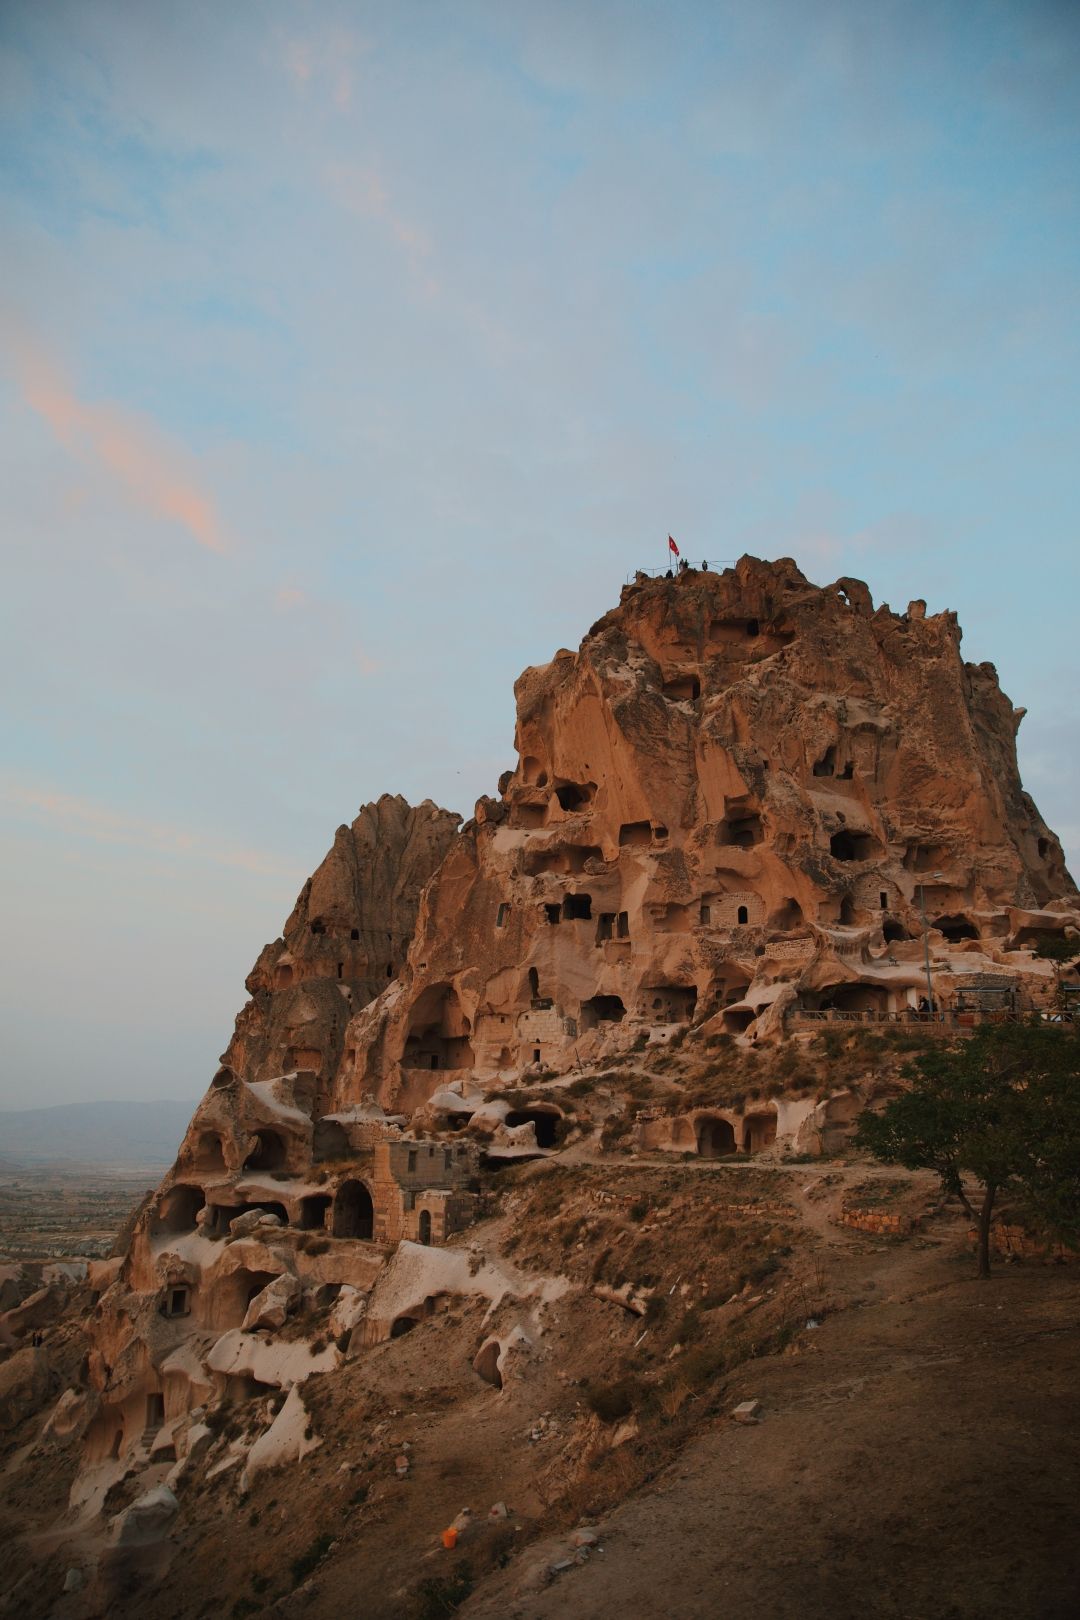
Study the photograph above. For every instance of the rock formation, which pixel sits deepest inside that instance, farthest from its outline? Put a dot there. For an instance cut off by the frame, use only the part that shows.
(730, 810)
(348, 933)
(732, 803)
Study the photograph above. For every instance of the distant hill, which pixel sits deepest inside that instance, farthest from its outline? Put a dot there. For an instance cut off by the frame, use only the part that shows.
(114, 1133)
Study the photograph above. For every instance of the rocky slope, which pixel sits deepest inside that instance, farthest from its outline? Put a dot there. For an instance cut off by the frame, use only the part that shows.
(689, 927)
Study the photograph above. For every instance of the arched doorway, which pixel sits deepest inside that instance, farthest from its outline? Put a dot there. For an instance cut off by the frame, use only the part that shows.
(267, 1153)
(354, 1213)
(715, 1137)
(759, 1131)
(178, 1209)
(424, 1233)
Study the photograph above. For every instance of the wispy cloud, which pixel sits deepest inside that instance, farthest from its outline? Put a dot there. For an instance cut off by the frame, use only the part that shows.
(327, 62)
(362, 191)
(151, 472)
(78, 817)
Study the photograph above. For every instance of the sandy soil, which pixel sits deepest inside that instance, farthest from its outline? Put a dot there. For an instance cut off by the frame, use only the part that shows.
(918, 1457)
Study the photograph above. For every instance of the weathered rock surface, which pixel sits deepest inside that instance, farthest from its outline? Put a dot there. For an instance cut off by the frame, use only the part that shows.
(346, 936)
(729, 810)
(740, 790)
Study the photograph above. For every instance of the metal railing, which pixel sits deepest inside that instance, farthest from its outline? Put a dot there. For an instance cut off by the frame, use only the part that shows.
(946, 1017)
(714, 567)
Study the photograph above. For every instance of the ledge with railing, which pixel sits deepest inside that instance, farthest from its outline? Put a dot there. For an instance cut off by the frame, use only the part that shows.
(711, 566)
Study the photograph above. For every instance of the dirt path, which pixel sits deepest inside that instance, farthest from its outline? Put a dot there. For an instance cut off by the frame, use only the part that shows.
(916, 1459)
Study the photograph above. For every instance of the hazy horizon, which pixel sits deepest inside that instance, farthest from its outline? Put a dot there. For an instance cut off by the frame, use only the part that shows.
(355, 355)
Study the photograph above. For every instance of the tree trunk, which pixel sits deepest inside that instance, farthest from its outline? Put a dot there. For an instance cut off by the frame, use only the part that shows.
(985, 1215)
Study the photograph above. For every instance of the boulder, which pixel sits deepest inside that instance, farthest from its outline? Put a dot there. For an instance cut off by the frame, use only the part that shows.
(24, 1386)
(244, 1225)
(147, 1520)
(277, 1301)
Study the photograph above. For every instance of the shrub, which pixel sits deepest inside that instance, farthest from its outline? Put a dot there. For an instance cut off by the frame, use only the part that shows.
(301, 1567)
(440, 1595)
(613, 1401)
(691, 1326)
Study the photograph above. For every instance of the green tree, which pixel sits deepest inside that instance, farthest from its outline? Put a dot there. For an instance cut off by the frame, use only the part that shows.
(1002, 1107)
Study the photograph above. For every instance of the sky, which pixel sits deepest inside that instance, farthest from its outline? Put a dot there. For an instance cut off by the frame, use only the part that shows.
(352, 355)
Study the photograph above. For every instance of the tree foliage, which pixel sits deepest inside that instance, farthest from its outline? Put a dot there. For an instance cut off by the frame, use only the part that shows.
(1002, 1108)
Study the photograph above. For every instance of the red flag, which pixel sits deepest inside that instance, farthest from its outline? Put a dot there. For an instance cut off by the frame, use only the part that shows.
(672, 546)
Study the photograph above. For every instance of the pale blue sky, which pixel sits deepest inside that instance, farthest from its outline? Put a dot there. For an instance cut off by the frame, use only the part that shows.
(355, 353)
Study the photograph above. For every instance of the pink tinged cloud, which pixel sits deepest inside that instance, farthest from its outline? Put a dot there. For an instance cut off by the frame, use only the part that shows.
(78, 817)
(361, 192)
(132, 452)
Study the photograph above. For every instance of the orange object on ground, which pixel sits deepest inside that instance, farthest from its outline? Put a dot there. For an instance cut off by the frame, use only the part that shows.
(449, 1539)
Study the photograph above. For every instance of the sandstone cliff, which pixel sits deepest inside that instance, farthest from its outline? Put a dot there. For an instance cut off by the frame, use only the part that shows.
(734, 799)
(347, 934)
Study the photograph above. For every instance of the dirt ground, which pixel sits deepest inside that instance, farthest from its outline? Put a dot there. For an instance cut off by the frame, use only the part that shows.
(916, 1456)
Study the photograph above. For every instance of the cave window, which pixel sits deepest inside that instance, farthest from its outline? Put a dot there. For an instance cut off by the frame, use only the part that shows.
(536, 1054)
(318, 926)
(354, 933)
(389, 970)
(502, 914)
(826, 765)
(752, 627)
(883, 900)
(622, 925)
(269, 1152)
(155, 1411)
(412, 1161)
(178, 1302)
(571, 796)
(851, 846)
(313, 1212)
(848, 772)
(602, 1010)
(743, 916)
(956, 928)
(634, 833)
(743, 832)
(553, 914)
(706, 914)
(179, 1207)
(448, 1157)
(659, 833)
(1044, 848)
(605, 926)
(534, 984)
(341, 970)
(577, 907)
(788, 915)
(434, 1062)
